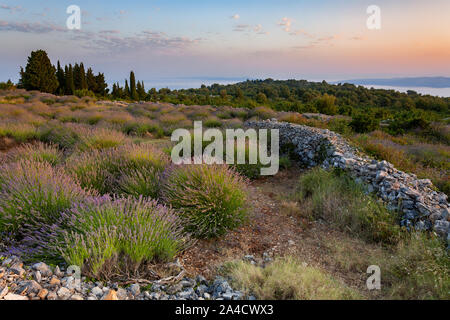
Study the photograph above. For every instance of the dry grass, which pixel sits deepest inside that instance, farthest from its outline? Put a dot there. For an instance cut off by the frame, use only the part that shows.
(288, 279)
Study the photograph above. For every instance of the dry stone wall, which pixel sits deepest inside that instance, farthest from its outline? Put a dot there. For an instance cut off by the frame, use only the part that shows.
(421, 205)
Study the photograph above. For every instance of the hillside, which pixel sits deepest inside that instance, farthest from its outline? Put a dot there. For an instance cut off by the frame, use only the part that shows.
(72, 168)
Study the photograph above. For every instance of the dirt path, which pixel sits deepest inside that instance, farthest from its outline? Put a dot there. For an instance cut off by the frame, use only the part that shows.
(273, 229)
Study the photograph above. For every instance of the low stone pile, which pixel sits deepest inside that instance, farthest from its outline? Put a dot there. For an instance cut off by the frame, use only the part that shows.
(422, 206)
(41, 282)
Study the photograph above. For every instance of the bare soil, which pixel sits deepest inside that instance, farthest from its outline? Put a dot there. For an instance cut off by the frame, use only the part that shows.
(272, 229)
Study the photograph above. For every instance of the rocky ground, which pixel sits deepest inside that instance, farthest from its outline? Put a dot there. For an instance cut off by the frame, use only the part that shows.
(42, 282)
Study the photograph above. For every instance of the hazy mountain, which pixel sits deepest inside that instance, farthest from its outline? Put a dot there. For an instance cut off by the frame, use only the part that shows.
(430, 82)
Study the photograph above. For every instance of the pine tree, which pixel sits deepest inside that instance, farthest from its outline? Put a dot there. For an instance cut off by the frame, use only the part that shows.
(133, 92)
(39, 73)
(101, 84)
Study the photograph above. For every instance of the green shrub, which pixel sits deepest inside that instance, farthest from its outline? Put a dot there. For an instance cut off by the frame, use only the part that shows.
(288, 279)
(130, 169)
(211, 199)
(116, 236)
(364, 122)
(212, 123)
(38, 152)
(99, 138)
(18, 132)
(61, 135)
(34, 193)
(418, 268)
(84, 93)
(336, 198)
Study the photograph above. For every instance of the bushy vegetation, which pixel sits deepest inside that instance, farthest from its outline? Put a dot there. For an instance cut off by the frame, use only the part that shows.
(416, 268)
(336, 198)
(33, 194)
(107, 236)
(288, 279)
(38, 152)
(131, 169)
(211, 199)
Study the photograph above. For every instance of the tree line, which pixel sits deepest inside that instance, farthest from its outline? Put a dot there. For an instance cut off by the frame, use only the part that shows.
(370, 106)
(40, 74)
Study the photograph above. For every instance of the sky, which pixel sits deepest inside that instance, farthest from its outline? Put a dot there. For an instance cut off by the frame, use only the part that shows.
(281, 39)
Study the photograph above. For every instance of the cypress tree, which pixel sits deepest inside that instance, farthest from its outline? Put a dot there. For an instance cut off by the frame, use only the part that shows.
(133, 92)
(91, 81)
(61, 79)
(39, 73)
(141, 90)
(82, 75)
(70, 86)
(127, 90)
(76, 76)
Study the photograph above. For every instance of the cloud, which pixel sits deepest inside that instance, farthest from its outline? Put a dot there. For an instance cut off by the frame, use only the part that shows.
(35, 27)
(258, 29)
(109, 32)
(241, 27)
(235, 16)
(11, 9)
(286, 24)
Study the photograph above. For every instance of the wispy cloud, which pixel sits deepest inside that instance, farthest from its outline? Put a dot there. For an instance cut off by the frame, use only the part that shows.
(11, 9)
(258, 29)
(235, 16)
(34, 27)
(286, 24)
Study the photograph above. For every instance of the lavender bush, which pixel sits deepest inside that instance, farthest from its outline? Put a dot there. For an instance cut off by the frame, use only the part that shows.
(39, 152)
(34, 193)
(211, 199)
(130, 169)
(113, 235)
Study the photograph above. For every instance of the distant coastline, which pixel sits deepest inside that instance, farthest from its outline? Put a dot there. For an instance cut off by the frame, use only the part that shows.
(413, 82)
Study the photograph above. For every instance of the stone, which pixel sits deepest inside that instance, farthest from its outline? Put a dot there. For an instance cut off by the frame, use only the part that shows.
(30, 286)
(58, 272)
(96, 291)
(228, 296)
(52, 296)
(17, 270)
(54, 281)
(122, 294)
(207, 296)
(77, 297)
(110, 295)
(43, 269)
(12, 296)
(135, 289)
(37, 276)
(201, 289)
(186, 294)
(201, 280)
(3, 291)
(64, 293)
(42, 294)
(441, 227)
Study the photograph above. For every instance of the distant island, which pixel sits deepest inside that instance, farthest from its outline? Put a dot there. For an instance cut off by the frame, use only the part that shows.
(428, 82)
